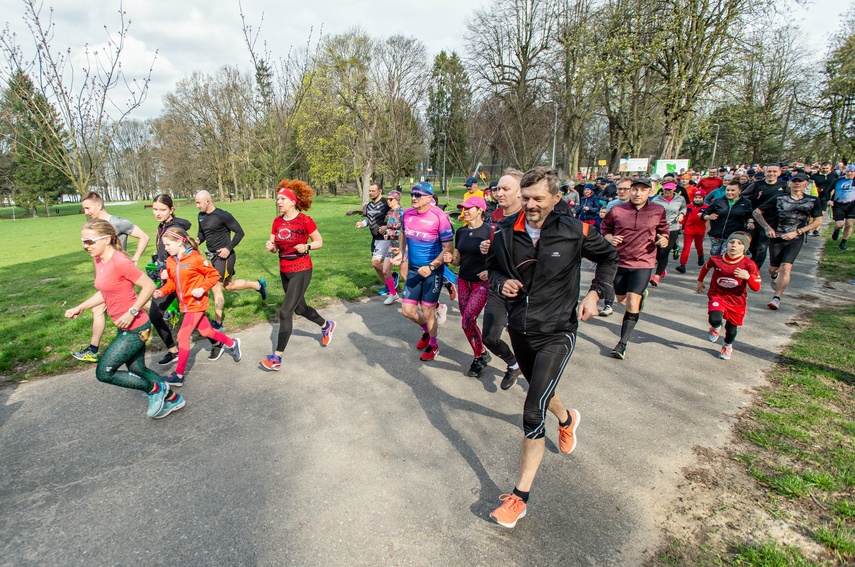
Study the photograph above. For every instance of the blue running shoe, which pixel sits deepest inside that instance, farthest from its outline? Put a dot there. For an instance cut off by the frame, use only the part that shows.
(155, 400)
(169, 407)
(173, 379)
(397, 277)
(326, 332)
(383, 291)
(235, 350)
(262, 289)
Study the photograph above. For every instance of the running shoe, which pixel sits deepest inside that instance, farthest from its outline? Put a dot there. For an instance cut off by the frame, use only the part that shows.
(272, 362)
(713, 334)
(606, 311)
(843, 245)
(726, 352)
(216, 351)
(476, 368)
(619, 351)
(654, 280)
(852, 282)
(85, 355)
(815, 232)
(234, 350)
(644, 295)
(169, 407)
(486, 357)
(452, 291)
(675, 253)
(326, 332)
(681, 268)
(567, 434)
(430, 353)
(423, 342)
(391, 299)
(155, 400)
(774, 304)
(510, 378)
(173, 379)
(262, 289)
(441, 313)
(168, 358)
(397, 277)
(383, 291)
(511, 510)
(701, 261)
(835, 234)
(664, 273)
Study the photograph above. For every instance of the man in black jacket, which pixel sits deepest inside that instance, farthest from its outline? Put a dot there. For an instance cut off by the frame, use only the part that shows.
(535, 262)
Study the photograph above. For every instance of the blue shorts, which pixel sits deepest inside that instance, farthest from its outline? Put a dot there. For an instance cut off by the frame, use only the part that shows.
(422, 290)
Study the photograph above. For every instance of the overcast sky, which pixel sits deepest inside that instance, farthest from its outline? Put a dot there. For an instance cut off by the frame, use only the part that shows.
(203, 35)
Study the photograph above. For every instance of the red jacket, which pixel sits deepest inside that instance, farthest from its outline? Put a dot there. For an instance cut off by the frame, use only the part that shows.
(692, 222)
(708, 184)
(191, 272)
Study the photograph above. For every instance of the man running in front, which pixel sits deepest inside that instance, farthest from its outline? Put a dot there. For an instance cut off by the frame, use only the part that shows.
(425, 237)
(535, 263)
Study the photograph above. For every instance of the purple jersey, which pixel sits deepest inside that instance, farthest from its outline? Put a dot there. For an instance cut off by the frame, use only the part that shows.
(425, 234)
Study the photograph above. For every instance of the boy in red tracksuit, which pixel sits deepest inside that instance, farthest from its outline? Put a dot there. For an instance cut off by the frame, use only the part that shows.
(733, 273)
(694, 229)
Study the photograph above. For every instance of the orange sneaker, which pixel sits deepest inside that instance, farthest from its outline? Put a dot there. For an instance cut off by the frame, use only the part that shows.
(511, 510)
(423, 342)
(567, 435)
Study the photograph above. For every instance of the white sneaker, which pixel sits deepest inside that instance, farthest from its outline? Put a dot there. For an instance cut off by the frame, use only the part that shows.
(391, 299)
(441, 313)
(606, 311)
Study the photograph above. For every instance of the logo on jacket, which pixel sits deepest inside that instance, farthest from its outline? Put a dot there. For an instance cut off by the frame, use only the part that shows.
(728, 283)
(556, 254)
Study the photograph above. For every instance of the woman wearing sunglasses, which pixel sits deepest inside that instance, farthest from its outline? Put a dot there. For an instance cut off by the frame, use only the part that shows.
(115, 278)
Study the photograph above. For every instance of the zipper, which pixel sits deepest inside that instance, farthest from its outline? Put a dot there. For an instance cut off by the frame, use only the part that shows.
(178, 282)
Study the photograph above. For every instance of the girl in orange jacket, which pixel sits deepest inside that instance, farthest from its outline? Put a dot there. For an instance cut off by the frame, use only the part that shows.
(190, 276)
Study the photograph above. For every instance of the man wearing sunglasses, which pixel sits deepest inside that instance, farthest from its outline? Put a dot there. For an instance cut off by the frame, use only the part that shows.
(786, 220)
(93, 207)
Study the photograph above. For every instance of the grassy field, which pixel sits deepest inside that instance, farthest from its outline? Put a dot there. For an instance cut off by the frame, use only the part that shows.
(795, 450)
(44, 270)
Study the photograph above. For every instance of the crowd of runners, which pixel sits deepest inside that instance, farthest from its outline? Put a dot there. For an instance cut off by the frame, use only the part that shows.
(518, 252)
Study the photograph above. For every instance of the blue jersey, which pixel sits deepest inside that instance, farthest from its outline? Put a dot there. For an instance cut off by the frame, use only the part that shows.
(844, 192)
(425, 234)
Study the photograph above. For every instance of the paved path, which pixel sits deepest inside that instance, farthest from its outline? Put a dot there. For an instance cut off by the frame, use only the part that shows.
(359, 454)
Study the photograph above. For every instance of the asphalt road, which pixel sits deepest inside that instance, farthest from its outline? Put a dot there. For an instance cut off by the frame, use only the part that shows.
(360, 454)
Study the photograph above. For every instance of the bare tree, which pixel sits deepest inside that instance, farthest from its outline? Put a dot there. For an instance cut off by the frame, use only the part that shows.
(84, 98)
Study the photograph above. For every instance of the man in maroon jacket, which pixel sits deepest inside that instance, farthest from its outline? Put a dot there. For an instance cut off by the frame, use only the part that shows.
(636, 229)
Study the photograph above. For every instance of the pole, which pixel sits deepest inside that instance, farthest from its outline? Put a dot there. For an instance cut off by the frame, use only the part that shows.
(554, 131)
(444, 184)
(715, 145)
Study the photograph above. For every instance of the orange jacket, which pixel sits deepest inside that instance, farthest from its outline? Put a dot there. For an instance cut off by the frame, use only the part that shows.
(191, 272)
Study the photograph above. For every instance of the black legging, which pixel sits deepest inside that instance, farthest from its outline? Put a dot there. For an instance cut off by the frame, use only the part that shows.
(295, 285)
(128, 348)
(156, 312)
(542, 360)
(716, 318)
(665, 253)
(759, 245)
(495, 321)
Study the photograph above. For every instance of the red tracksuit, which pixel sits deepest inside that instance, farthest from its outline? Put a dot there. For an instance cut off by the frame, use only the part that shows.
(694, 229)
(728, 293)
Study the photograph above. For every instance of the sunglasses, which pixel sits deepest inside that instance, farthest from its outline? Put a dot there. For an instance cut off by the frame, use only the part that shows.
(92, 241)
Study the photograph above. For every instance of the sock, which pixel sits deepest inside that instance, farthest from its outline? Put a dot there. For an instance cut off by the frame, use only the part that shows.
(523, 495)
(628, 326)
(776, 297)
(218, 325)
(173, 397)
(608, 302)
(156, 388)
(775, 277)
(568, 421)
(424, 327)
(390, 285)
(843, 241)
(432, 342)
(94, 348)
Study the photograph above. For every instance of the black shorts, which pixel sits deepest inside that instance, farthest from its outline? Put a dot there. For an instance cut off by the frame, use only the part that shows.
(226, 266)
(843, 211)
(632, 280)
(784, 251)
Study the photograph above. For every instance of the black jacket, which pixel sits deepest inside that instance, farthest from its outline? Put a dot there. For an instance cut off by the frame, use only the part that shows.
(549, 306)
(730, 218)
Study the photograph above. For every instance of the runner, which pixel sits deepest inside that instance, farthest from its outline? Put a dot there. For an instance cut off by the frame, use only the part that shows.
(675, 212)
(786, 219)
(375, 211)
(727, 215)
(694, 230)
(393, 226)
(93, 208)
(293, 237)
(216, 229)
(190, 275)
(824, 181)
(733, 274)
(495, 313)
(472, 278)
(425, 238)
(636, 229)
(843, 206)
(115, 278)
(536, 264)
(759, 193)
(622, 187)
(164, 211)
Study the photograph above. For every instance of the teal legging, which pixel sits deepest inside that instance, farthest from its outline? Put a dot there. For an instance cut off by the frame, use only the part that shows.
(127, 348)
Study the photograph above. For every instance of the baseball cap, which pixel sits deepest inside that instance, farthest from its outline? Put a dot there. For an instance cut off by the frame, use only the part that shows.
(422, 189)
(850, 167)
(473, 202)
(727, 177)
(669, 185)
(469, 182)
(760, 175)
(643, 181)
(799, 177)
(394, 195)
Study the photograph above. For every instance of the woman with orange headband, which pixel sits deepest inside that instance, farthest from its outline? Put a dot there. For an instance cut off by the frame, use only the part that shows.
(293, 237)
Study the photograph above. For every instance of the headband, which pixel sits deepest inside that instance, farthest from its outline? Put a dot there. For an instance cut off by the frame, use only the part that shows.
(285, 192)
(174, 235)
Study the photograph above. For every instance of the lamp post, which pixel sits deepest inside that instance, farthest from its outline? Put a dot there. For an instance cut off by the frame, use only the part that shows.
(715, 145)
(444, 144)
(554, 130)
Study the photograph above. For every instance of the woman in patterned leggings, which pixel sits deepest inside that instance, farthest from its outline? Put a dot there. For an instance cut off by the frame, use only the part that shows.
(115, 278)
(473, 288)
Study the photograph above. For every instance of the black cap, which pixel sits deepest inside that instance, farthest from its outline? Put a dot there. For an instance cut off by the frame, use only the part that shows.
(759, 174)
(642, 181)
(799, 176)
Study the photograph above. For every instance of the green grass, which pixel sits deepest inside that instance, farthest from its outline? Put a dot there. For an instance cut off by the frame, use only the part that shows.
(836, 264)
(44, 271)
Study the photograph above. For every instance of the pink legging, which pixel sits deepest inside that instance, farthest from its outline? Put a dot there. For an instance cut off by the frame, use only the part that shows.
(688, 239)
(471, 299)
(196, 320)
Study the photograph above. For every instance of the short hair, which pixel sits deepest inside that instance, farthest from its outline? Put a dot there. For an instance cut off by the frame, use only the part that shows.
(540, 173)
(93, 196)
(623, 179)
(513, 172)
(825, 163)
(734, 181)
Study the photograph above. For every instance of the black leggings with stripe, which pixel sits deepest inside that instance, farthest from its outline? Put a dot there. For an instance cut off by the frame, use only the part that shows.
(128, 349)
(542, 360)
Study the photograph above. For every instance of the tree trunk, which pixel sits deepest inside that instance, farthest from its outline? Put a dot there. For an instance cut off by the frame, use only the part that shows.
(367, 170)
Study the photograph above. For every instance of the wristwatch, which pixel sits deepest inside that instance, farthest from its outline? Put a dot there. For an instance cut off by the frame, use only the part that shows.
(799, 231)
(133, 311)
(432, 267)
